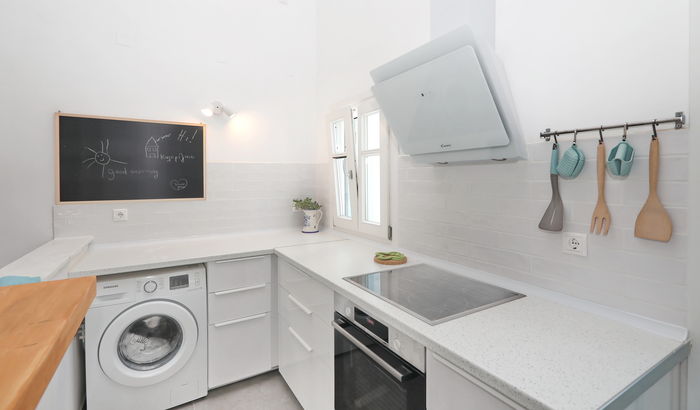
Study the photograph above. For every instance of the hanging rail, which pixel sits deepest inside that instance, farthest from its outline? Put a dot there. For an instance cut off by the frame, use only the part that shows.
(678, 120)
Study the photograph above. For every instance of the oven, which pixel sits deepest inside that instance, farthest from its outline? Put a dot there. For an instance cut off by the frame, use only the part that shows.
(368, 373)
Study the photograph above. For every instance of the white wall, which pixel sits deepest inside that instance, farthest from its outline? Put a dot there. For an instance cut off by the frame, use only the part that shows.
(583, 63)
(157, 60)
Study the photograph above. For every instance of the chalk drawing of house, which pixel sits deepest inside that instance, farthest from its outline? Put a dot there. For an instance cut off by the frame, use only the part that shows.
(152, 148)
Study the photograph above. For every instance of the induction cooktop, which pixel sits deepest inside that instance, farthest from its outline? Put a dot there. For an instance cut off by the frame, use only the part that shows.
(432, 294)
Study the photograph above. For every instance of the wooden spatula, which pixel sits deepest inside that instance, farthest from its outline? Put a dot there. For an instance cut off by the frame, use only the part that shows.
(653, 221)
(600, 222)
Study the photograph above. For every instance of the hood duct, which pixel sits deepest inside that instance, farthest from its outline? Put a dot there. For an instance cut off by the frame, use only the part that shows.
(448, 101)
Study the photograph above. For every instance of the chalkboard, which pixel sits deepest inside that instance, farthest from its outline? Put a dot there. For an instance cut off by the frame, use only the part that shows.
(115, 159)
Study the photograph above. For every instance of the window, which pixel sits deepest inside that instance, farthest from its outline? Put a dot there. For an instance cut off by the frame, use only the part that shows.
(360, 165)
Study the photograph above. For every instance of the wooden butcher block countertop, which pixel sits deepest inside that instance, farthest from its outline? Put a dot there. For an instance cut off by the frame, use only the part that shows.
(38, 321)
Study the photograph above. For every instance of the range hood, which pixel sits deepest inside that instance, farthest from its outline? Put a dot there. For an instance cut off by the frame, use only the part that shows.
(448, 101)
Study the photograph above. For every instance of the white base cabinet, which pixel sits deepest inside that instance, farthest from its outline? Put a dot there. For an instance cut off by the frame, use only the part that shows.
(239, 349)
(240, 319)
(305, 337)
(449, 388)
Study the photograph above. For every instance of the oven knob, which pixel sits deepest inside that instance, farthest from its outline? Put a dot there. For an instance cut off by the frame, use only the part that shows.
(396, 344)
(150, 286)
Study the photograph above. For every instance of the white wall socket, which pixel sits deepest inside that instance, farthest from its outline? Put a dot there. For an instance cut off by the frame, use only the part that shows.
(120, 215)
(575, 243)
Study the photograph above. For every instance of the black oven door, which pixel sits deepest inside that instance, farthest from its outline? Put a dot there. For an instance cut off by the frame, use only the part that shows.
(370, 376)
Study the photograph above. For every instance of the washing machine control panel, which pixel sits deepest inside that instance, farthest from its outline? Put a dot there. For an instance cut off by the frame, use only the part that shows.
(179, 281)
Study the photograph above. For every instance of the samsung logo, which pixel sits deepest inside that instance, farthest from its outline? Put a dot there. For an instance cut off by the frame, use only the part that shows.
(110, 286)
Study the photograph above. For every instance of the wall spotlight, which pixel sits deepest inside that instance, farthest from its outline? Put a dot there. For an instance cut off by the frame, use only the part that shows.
(217, 108)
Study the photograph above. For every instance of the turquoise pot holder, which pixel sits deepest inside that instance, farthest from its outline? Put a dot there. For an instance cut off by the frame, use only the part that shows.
(620, 159)
(571, 162)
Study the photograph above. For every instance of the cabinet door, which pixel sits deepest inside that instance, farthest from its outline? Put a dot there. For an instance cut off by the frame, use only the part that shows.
(448, 388)
(239, 349)
(305, 337)
(296, 362)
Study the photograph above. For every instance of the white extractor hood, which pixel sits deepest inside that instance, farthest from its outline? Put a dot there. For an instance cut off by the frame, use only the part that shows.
(448, 101)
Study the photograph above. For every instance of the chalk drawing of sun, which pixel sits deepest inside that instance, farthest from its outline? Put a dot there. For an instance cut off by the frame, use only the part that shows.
(101, 157)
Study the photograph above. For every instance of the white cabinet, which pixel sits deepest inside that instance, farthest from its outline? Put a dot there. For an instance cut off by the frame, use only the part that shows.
(239, 348)
(448, 388)
(240, 319)
(305, 337)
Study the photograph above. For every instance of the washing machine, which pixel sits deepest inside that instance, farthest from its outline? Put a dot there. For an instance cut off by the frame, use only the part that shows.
(146, 340)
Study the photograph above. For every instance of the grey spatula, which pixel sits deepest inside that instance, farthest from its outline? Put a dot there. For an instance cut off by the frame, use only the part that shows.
(553, 218)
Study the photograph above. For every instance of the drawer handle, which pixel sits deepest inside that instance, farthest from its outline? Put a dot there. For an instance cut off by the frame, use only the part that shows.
(245, 319)
(241, 259)
(300, 305)
(228, 292)
(300, 340)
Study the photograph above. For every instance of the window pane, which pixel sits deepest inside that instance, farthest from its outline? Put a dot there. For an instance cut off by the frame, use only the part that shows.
(373, 129)
(338, 133)
(342, 188)
(372, 187)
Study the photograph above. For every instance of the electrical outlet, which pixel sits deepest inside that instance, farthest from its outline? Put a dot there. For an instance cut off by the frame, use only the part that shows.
(575, 243)
(120, 215)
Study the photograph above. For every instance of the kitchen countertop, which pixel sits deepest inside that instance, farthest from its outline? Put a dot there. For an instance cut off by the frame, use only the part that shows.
(50, 259)
(544, 351)
(119, 257)
(540, 353)
(37, 324)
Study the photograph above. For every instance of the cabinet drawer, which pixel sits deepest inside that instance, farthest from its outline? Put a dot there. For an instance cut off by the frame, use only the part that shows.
(307, 291)
(314, 329)
(296, 362)
(238, 273)
(238, 303)
(239, 349)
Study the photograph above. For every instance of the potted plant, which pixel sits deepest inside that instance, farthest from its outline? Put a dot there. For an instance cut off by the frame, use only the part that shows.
(312, 213)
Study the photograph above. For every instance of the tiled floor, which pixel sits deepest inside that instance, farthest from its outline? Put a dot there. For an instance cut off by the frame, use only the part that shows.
(265, 392)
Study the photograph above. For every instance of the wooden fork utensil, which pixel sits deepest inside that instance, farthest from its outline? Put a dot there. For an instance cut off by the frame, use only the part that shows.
(600, 222)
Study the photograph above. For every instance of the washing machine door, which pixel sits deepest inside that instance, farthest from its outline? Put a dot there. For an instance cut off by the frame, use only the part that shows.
(148, 343)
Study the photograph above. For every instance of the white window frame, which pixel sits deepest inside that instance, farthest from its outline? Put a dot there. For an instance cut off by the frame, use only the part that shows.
(355, 132)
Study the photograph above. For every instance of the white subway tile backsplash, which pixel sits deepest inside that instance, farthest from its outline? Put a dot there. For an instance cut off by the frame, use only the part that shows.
(486, 215)
(240, 197)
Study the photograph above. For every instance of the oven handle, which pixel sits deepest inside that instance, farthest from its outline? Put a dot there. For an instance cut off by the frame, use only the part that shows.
(401, 377)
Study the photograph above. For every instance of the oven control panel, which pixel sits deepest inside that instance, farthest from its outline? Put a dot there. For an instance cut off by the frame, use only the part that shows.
(401, 344)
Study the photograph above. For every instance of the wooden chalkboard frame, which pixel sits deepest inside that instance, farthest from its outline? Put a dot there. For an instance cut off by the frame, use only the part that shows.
(57, 148)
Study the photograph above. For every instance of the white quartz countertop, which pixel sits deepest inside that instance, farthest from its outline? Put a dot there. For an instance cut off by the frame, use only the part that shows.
(538, 352)
(50, 259)
(119, 257)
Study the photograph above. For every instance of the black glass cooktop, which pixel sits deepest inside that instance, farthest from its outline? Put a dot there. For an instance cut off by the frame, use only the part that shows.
(431, 294)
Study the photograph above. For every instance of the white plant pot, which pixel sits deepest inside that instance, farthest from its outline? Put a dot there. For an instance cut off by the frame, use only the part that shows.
(312, 220)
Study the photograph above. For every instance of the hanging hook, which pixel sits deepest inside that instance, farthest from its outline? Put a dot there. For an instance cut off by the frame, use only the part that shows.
(653, 126)
(575, 134)
(624, 132)
(600, 132)
(556, 142)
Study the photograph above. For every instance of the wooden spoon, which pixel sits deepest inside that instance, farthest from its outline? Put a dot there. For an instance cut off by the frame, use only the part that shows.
(653, 221)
